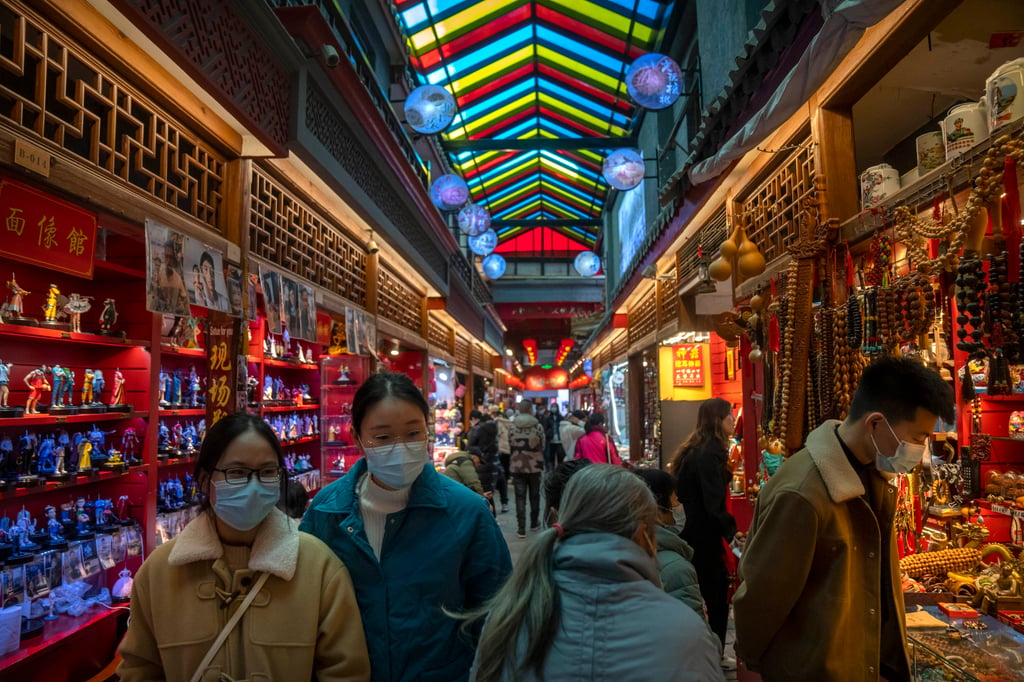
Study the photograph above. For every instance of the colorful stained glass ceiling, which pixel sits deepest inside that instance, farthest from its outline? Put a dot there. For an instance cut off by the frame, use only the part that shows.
(549, 71)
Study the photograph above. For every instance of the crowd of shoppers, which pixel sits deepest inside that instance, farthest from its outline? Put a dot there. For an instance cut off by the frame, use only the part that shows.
(397, 572)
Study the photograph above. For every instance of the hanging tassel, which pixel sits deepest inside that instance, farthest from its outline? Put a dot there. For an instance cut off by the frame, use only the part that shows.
(967, 386)
(850, 272)
(1011, 218)
(774, 335)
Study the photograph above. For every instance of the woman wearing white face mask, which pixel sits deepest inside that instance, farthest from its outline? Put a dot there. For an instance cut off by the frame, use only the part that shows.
(415, 541)
(240, 593)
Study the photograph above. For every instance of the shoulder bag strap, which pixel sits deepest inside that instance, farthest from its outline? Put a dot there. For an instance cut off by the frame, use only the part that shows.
(608, 448)
(219, 642)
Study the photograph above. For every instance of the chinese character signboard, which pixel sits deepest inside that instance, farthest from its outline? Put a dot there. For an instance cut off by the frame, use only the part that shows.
(688, 365)
(222, 395)
(43, 230)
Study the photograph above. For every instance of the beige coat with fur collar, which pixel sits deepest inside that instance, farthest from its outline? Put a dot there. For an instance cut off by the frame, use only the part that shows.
(304, 624)
(811, 603)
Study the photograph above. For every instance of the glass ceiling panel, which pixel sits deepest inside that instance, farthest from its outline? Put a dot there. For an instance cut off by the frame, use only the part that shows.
(534, 69)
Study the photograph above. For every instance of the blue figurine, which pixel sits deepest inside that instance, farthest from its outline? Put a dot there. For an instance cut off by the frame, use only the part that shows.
(168, 387)
(190, 489)
(201, 432)
(58, 386)
(6, 452)
(69, 386)
(279, 392)
(53, 526)
(97, 387)
(97, 437)
(268, 388)
(188, 439)
(163, 437)
(47, 462)
(176, 396)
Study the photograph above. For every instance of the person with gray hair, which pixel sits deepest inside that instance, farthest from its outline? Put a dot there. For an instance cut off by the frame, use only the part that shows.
(585, 597)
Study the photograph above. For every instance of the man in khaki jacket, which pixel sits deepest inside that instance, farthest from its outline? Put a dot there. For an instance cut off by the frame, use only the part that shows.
(821, 597)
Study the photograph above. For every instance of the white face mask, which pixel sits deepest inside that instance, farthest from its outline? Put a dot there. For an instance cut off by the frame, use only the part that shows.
(906, 457)
(679, 514)
(397, 466)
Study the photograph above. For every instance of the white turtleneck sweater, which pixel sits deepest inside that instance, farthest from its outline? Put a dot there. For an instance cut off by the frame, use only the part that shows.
(375, 503)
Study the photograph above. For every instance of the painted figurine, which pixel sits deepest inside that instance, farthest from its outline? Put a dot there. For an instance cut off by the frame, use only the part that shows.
(76, 305)
(130, 445)
(176, 383)
(46, 462)
(5, 379)
(37, 383)
(194, 386)
(50, 307)
(53, 526)
(117, 397)
(84, 448)
(87, 386)
(165, 387)
(108, 318)
(16, 303)
(57, 372)
(97, 387)
(69, 386)
(268, 388)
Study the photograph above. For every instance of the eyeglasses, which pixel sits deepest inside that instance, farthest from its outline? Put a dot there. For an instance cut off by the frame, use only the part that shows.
(242, 475)
(386, 440)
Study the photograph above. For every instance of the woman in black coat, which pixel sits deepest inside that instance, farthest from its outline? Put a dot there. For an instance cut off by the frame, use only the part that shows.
(702, 482)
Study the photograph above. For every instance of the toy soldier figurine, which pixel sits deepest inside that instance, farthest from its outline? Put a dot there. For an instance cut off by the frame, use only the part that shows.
(37, 383)
(74, 308)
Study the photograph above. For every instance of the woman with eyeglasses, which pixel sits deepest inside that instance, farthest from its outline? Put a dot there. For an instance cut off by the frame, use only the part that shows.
(240, 593)
(418, 544)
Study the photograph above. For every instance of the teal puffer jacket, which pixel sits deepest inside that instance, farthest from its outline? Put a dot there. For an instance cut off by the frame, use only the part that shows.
(444, 550)
(675, 566)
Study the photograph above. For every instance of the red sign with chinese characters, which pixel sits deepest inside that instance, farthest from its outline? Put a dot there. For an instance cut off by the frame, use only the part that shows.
(688, 365)
(43, 230)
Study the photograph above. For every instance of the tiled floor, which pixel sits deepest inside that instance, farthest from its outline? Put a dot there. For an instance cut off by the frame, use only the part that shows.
(507, 522)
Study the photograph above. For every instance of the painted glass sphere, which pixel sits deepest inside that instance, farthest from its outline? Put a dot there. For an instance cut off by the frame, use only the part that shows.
(483, 243)
(587, 263)
(474, 219)
(449, 192)
(654, 81)
(429, 109)
(624, 168)
(494, 266)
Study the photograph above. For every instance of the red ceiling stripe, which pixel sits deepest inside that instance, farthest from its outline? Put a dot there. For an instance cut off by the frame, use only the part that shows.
(586, 87)
(571, 26)
(466, 98)
(452, 48)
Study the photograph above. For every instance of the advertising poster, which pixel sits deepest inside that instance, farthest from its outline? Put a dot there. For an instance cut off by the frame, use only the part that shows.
(299, 309)
(204, 275)
(270, 282)
(360, 333)
(165, 285)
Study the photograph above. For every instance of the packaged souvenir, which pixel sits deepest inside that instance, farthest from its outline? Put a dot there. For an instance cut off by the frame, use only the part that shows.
(955, 610)
(1016, 426)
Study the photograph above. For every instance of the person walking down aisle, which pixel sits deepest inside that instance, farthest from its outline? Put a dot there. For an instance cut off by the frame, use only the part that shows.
(552, 422)
(836, 610)
(571, 430)
(526, 440)
(584, 601)
(702, 480)
(678, 576)
(415, 541)
(240, 593)
(596, 445)
(483, 442)
(503, 475)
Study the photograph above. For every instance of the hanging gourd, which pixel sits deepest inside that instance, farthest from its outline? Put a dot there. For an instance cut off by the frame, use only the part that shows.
(749, 260)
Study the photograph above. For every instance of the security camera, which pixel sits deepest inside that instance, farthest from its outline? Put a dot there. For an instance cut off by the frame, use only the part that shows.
(372, 246)
(330, 55)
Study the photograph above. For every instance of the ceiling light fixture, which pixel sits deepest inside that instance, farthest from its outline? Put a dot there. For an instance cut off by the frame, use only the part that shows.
(396, 348)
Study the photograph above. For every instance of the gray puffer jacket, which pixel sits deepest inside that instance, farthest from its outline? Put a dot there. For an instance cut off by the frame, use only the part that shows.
(617, 624)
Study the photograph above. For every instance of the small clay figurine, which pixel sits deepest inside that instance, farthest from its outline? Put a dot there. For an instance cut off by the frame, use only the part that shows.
(5, 379)
(50, 307)
(87, 386)
(53, 526)
(16, 303)
(97, 387)
(58, 385)
(69, 386)
(268, 388)
(117, 398)
(130, 445)
(195, 387)
(37, 383)
(108, 318)
(45, 457)
(76, 305)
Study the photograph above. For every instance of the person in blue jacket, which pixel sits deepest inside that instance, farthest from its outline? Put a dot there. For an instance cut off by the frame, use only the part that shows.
(417, 544)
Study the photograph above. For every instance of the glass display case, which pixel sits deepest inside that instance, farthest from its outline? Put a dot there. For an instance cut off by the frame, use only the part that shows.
(959, 653)
(340, 376)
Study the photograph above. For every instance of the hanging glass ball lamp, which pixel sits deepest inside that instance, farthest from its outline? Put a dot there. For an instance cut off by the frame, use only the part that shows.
(587, 263)
(474, 219)
(654, 81)
(624, 168)
(429, 109)
(494, 266)
(449, 192)
(483, 243)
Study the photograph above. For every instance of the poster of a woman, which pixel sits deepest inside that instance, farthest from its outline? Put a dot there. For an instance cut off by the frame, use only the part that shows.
(165, 286)
(204, 266)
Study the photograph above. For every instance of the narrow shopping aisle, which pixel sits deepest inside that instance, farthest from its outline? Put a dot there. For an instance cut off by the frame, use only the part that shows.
(507, 522)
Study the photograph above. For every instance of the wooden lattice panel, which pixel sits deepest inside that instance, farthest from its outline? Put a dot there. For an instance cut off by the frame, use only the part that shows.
(619, 346)
(398, 302)
(480, 358)
(52, 89)
(289, 233)
(770, 211)
(668, 301)
(461, 353)
(643, 318)
(710, 236)
(438, 334)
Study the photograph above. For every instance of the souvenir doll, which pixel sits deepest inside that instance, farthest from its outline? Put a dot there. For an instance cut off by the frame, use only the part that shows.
(97, 387)
(50, 307)
(87, 387)
(75, 306)
(69, 385)
(5, 379)
(36, 380)
(58, 385)
(108, 318)
(130, 445)
(117, 396)
(268, 388)
(15, 304)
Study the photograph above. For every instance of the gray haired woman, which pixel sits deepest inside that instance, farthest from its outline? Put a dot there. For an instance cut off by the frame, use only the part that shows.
(585, 602)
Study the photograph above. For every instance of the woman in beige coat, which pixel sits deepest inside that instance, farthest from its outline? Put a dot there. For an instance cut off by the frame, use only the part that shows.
(303, 621)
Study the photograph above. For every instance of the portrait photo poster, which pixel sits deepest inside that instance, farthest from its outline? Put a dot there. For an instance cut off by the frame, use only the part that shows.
(204, 275)
(299, 309)
(166, 291)
(270, 282)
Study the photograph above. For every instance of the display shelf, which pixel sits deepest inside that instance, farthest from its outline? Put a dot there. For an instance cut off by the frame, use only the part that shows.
(1015, 397)
(14, 332)
(187, 412)
(55, 631)
(290, 408)
(117, 268)
(77, 481)
(299, 441)
(350, 387)
(337, 444)
(1007, 439)
(165, 463)
(178, 350)
(46, 419)
(284, 364)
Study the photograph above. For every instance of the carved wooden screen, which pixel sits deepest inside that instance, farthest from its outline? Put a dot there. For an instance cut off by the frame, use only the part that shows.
(643, 317)
(289, 233)
(770, 211)
(462, 358)
(619, 346)
(710, 235)
(55, 90)
(668, 301)
(398, 302)
(438, 335)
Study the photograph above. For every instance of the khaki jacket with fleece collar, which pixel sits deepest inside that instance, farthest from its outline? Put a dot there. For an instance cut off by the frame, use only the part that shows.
(304, 623)
(810, 604)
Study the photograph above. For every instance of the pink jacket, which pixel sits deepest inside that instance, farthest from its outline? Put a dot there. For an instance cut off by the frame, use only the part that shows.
(596, 447)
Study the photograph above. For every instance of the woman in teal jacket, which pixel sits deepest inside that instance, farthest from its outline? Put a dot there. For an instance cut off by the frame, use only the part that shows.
(415, 542)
